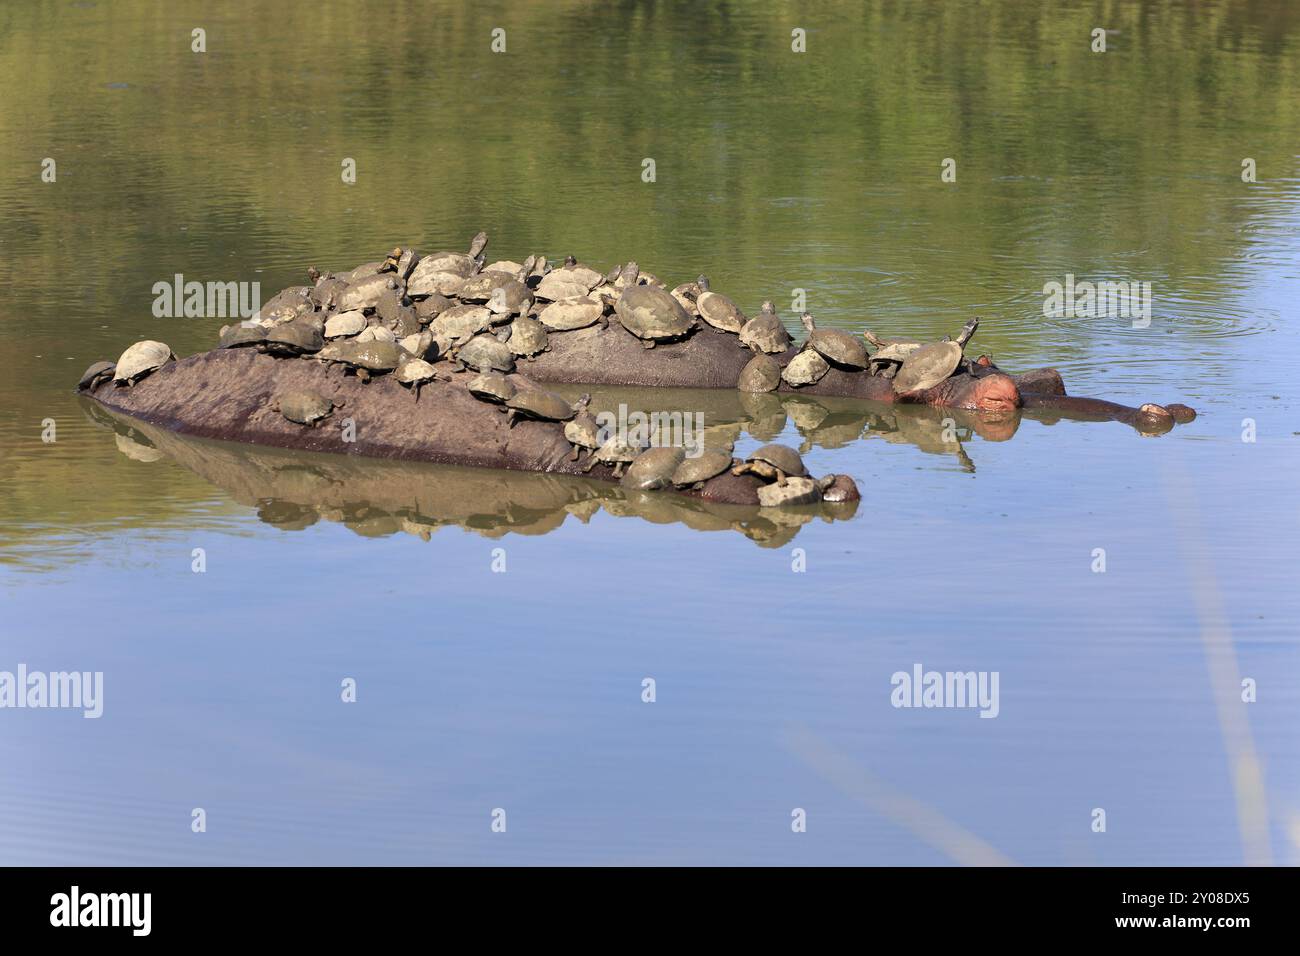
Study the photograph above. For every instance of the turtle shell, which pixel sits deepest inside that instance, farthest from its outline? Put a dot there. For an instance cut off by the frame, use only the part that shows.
(140, 359)
(96, 376)
(653, 469)
(894, 351)
(708, 464)
(927, 367)
(839, 347)
(616, 450)
(527, 336)
(576, 312)
(364, 293)
(558, 285)
(781, 456)
(761, 374)
(304, 408)
(374, 356)
(413, 371)
(583, 274)
(486, 354)
(720, 312)
(536, 403)
(765, 333)
(461, 323)
(491, 387)
(583, 431)
(806, 368)
(344, 324)
(479, 288)
(240, 335)
(649, 312)
(294, 338)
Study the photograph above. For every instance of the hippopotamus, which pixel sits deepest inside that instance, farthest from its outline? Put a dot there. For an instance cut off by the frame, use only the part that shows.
(230, 394)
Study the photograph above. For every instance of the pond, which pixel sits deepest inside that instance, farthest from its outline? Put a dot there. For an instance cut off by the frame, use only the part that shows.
(340, 661)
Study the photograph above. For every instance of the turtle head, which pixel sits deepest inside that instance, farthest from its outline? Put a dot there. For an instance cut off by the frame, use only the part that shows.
(630, 273)
(768, 307)
(583, 401)
(808, 322)
(703, 283)
(570, 260)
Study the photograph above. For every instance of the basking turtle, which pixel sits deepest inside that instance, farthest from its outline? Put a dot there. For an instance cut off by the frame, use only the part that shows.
(888, 357)
(577, 312)
(327, 292)
(298, 337)
(694, 472)
(688, 292)
(761, 374)
(376, 333)
(140, 360)
(575, 271)
(418, 344)
(345, 324)
(765, 332)
(492, 387)
(484, 353)
(241, 335)
(773, 463)
(303, 407)
(927, 367)
(628, 276)
(717, 310)
(482, 287)
(806, 368)
(557, 285)
(430, 307)
(364, 293)
(652, 315)
(527, 337)
(478, 244)
(413, 373)
(583, 432)
(653, 469)
(390, 261)
(95, 376)
(461, 323)
(539, 405)
(835, 345)
(617, 452)
(427, 280)
(365, 358)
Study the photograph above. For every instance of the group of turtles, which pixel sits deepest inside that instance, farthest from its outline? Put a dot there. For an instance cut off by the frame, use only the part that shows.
(406, 314)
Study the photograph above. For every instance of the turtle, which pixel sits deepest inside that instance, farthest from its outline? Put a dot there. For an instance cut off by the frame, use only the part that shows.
(717, 310)
(414, 372)
(390, 261)
(406, 263)
(376, 333)
(806, 368)
(889, 354)
(393, 312)
(418, 344)
(537, 404)
(527, 337)
(576, 312)
(773, 463)
(557, 285)
(364, 293)
(240, 335)
(627, 276)
(327, 291)
(344, 324)
(287, 304)
(583, 431)
(313, 275)
(927, 367)
(765, 332)
(652, 315)
(479, 288)
(293, 338)
(478, 244)
(95, 376)
(835, 345)
(427, 281)
(509, 266)
(694, 472)
(460, 323)
(761, 374)
(365, 270)
(617, 452)
(575, 271)
(365, 357)
(303, 407)
(430, 307)
(653, 469)
(688, 292)
(484, 353)
(492, 387)
(140, 360)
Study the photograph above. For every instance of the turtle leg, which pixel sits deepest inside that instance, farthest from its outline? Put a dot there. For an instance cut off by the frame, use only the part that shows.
(363, 375)
(603, 322)
(591, 461)
(511, 418)
(781, 478)
(740, 469)
(618, 470)
(574, 456)
(647, 343)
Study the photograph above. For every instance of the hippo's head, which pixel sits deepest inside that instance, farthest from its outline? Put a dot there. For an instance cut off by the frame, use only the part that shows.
(988, 393)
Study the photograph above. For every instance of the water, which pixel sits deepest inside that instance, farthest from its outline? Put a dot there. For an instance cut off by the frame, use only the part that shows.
(522, 691)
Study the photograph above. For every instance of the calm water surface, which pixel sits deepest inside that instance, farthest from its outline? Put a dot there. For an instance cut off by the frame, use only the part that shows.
(775, 171)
